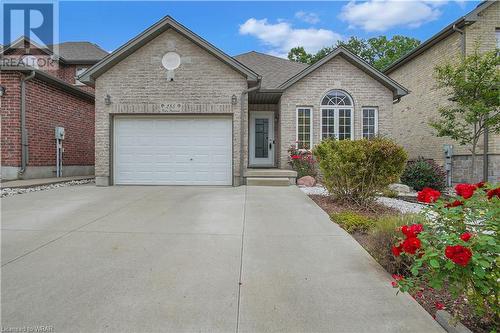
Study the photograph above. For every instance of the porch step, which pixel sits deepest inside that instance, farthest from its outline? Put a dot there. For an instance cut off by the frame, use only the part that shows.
(270, 173)
(268, 181)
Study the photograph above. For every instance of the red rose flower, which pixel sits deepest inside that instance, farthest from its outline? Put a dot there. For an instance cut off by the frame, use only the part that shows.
(480, 184)
(428, 195)
(439, 306)
(465, 236)
(465, 190)
(412, 230)
(394, 284)
(411, 245)
(396, 250)
(455, 203)
(493, 193)
(458, 254)
(397, 277)
(295, 157)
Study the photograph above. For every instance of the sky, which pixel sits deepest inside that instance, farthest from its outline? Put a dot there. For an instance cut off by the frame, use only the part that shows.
(264, 26)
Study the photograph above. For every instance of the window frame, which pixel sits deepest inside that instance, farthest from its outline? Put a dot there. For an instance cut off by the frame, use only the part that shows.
(310, 125)
(375, 108)
(336, 119)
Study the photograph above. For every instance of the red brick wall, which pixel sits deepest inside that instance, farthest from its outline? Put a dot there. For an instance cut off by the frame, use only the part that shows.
(10, 106)
(46, 108)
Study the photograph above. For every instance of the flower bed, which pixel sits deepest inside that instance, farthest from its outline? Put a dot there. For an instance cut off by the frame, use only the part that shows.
(446, 257)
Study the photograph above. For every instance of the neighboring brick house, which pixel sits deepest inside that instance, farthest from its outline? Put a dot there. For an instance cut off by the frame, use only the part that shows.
(415, 71)
(173, 109)
(52, 98)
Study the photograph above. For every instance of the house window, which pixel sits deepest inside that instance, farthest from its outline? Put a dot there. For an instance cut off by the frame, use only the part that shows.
(337, 115)
(370, 122)
(79, 71)
(304, 128)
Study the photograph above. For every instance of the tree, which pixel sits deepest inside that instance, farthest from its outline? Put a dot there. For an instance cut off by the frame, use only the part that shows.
(298, 54)
(378, 51)
(472, 84)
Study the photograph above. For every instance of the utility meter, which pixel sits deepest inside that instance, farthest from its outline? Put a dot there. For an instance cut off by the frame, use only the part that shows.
(60, 133)
(448, 151)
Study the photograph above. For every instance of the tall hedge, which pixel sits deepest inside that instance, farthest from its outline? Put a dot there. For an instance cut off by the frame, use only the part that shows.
(355, 170)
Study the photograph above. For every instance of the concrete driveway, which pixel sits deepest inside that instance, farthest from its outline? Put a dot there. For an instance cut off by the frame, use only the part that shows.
(190, 259)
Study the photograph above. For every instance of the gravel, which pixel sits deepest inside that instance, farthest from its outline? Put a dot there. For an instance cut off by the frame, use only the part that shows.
(401, 205)
(9, 191)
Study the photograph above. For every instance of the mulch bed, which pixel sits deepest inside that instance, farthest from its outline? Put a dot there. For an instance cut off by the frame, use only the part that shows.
(428, 297)
(373, 210)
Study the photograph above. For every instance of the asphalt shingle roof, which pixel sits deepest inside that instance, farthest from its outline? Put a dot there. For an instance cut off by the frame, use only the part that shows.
(274, 70)
(81, 51)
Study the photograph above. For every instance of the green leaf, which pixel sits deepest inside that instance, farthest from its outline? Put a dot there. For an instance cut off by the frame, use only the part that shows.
(484, 263)
(434, 263)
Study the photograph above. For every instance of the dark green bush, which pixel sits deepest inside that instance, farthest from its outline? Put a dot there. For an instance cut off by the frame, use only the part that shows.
(351, 221)
(356, 170)
(424, 173)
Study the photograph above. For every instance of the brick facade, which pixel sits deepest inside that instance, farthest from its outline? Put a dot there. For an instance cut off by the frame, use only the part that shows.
(413, 113)
(138, 85)
(47, 106)
(336, 74)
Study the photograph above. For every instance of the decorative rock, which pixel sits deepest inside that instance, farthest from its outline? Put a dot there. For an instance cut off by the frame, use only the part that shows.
(400, 188)
(306, 181)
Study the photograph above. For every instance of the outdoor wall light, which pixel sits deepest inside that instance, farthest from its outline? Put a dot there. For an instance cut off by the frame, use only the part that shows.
(234, 100)
(2, 91)
(107, 100)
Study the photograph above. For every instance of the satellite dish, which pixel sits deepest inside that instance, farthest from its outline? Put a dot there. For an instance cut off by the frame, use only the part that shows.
(171, 61)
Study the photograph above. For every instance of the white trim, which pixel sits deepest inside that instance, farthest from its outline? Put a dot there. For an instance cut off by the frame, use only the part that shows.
(363, 118)
(336, 119)
(297, 125)
(252, 161)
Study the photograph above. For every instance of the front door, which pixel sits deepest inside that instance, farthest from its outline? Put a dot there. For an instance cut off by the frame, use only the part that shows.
(262, 139)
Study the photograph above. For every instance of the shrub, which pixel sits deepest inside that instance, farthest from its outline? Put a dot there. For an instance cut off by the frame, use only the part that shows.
(423, 173)
(302, 161)
(458, 247)
(351, 221)
(357, 170)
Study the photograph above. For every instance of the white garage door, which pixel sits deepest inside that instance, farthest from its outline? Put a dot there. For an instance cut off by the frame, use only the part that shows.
(173, 151)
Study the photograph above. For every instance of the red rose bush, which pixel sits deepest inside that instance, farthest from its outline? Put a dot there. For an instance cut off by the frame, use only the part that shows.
(458, 247)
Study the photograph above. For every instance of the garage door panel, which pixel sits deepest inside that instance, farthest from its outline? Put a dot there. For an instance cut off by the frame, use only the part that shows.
(173, 151)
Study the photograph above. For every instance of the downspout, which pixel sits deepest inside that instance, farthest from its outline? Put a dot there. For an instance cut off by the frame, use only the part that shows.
(24, 132)
(242, 132)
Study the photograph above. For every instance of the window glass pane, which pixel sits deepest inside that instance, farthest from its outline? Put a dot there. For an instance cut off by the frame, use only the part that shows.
(336, 97)
(369, 125)
(344, 124)
(304, 128)
(328, 123)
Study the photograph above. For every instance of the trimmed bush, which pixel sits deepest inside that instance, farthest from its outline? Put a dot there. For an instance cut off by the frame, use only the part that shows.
(351, 221)
(423, 173)
(356, 170)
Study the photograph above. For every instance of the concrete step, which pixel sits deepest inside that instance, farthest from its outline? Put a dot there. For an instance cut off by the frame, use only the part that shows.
(267, 181)
(271, 173)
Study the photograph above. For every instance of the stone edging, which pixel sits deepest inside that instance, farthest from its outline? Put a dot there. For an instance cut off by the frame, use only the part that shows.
(444, 319)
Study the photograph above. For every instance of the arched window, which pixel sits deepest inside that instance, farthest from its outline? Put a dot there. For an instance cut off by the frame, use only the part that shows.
(337, 111)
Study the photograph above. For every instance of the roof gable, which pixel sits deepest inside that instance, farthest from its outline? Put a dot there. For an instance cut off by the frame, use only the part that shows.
(149, 34)
(397, 89)
(469, 18)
